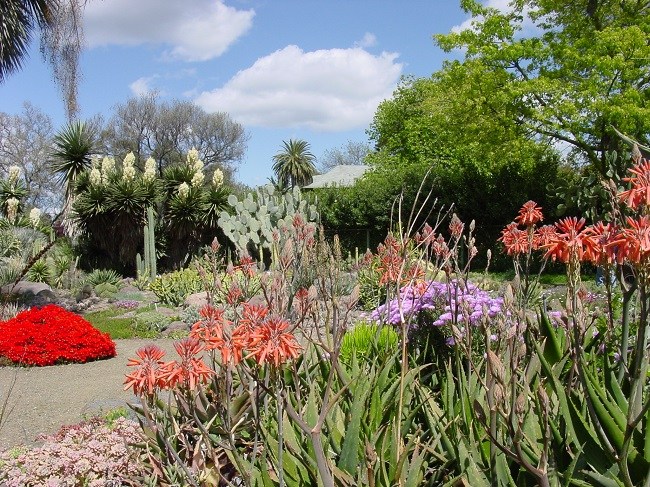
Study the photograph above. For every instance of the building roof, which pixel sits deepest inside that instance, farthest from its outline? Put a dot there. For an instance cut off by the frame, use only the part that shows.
(343, 175)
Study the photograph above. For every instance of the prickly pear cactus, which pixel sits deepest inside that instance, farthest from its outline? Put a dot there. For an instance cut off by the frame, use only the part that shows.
(251, 226)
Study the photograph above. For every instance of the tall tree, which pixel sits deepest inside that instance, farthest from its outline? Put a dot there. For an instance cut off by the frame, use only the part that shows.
(350, 154)
(571, 70)
(25, 141)
(166, 131)
(61, 29)
(294, 164)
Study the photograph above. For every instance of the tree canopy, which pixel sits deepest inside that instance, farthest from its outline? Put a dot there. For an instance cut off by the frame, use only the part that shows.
(571, 71)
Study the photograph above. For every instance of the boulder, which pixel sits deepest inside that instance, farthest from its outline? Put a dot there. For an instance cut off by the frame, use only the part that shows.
(31, 293)
(197, 300)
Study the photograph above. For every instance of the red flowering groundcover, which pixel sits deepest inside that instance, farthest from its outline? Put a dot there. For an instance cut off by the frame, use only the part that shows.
(50, 335)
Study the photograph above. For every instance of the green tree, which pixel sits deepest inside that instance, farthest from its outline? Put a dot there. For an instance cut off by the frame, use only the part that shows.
(571, 71)
(294, 164)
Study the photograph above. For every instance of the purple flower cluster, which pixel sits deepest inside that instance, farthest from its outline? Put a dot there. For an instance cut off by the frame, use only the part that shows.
(127, 304)
(451, 302)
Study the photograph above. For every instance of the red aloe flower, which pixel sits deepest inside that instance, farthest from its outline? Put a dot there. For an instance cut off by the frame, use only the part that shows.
(608, 240)
(529, 214)
(456, 226)
(514, 239)
(149, 374)
(639, 193)
(544, 235)
(571, 240)
(246, 266)
(271, 342)
(191, 370)
(636, 240)
(210, 330)
(391, 260)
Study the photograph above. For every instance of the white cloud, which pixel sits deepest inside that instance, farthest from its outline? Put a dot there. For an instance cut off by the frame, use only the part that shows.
(324, 90)
(194, 30)
(368, 40)
(142, 86)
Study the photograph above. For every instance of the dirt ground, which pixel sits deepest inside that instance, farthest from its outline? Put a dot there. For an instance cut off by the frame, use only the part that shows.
(42, 399)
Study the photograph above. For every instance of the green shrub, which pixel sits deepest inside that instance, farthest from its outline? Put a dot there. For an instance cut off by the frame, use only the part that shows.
(106, 290)
(365, 338)
(172, 288)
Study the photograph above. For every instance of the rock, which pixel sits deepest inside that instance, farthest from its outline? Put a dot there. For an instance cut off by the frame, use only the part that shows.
(197, 300)
(86, 292)
(31, 293)
(25, 287)
(175, 326)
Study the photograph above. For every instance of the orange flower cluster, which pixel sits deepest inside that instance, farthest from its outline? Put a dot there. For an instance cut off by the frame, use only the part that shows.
(600, 244)
(266, 339)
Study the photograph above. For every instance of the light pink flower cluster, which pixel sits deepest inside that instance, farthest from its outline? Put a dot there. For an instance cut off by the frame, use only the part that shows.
(91, 453)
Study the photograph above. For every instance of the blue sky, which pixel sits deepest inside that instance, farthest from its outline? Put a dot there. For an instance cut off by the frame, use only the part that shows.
(309, 69)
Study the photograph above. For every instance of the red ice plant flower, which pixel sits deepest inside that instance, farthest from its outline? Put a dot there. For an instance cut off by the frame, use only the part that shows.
(50, 335)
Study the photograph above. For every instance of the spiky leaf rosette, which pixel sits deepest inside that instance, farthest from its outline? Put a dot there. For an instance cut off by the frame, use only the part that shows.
(216, 201)
(174, 176)
(73, 147)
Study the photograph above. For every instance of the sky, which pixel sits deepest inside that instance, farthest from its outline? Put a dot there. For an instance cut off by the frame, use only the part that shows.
(285, 69)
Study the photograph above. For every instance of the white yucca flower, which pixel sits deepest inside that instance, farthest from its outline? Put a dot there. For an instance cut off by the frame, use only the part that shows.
(198, 178)
(128, 173)
(183, 190)
(35, 217)
(108, 166)
(12, 208)
(14, 173)
(150, 164)
(149, 170)
(95, 177)
(198, 166)
(217, 178)
(129, 159)
(192, 156)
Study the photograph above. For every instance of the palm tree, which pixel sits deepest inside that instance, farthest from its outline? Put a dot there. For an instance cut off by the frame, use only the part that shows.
(18, 19)
(294, 164)
(59, 22)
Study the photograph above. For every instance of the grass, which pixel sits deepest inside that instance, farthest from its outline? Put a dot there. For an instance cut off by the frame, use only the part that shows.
(113, 322)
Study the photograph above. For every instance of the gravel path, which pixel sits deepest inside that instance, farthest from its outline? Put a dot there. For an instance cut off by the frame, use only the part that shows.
(45, 398)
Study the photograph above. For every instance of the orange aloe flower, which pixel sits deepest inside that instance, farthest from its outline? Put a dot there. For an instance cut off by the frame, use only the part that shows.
(148, 376)
(211, 329)
(639, 193)
(191, 370)
(272, 343)
(529, 214)
(544, 235)
(609, 242)
(636, 240)
(515, 240)
(572, 239)
(391, 260)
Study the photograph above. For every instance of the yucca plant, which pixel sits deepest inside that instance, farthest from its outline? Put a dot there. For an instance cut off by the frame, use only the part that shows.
(103, 276)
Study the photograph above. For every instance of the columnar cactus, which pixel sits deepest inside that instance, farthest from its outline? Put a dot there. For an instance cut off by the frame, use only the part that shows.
(147, 267)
